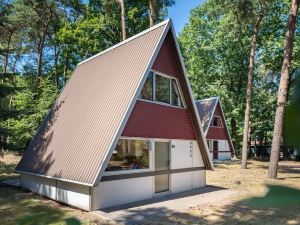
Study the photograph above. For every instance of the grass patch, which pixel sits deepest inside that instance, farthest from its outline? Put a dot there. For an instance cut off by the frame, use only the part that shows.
(8, 165)
(277, 197)
(18, 207)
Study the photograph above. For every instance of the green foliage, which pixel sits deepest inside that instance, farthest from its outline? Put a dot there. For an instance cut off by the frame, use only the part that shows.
(63, 33)
(216, 47)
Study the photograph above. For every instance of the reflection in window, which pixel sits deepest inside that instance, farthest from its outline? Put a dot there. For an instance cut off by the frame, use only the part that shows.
(163, 89)
(175, 100)
(147, 91)
(209, 143)
(129, 155)
(162, 92)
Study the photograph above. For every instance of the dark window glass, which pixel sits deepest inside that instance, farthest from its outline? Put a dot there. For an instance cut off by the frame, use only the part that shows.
(129, 155)
(215, 122)
(147, 91)
(215, 146)
(176, 99)
(162, 92)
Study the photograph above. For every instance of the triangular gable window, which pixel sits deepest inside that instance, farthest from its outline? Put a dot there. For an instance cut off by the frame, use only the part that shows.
(162, 89)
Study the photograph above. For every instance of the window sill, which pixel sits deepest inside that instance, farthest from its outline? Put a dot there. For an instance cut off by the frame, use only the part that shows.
(110, 173)
(161, 103)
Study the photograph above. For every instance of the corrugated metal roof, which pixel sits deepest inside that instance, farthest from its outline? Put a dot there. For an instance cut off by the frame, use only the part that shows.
(206, 109)
(78, 135)
(74, 138)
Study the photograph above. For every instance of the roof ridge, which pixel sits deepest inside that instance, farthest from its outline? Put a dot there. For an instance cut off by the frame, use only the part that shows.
(125, 41)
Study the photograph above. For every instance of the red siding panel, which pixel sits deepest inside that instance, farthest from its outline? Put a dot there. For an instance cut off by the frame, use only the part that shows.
(218, 133)
(166, 61)
(159, 121)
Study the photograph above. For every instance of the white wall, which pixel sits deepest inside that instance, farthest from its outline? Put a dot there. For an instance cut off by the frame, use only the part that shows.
(68, 193)
(118, 192)
(224, 156)
(199, 179)
(181, 182)
(197, 158)
(73, 194)
(42, 186)
(223, 145)
(223, 150)
(181, 154)
(186, 154)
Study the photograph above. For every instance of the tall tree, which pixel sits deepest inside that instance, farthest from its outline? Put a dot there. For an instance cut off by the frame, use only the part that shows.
(249, 86)
(123, 19)
(10, 24)
(157, 10)
(153, 12)
(283, 86)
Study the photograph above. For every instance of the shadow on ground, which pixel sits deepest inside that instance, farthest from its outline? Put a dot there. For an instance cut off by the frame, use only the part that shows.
(22, 208)
(281, 205)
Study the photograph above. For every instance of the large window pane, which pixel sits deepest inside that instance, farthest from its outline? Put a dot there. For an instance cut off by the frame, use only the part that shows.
(176, 100)
(162, 92)
(129, 155)
(147, 91)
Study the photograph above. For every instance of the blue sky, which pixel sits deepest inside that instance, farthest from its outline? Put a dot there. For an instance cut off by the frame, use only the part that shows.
(180, 12)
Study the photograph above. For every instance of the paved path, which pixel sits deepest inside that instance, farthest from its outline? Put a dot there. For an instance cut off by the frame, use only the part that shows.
(139, 212)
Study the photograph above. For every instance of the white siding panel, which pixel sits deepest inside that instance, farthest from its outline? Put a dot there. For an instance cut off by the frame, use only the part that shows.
(223, 145)
(181, 154)
(68, 193)
(73, 194)
(43, 186)
(197, 158)
(224, 155)
(199, 178)
(118, 192)
(181, 182)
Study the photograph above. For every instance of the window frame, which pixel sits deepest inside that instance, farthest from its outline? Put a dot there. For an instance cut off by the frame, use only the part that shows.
(120, 172)
(219, 119)
(154, 73)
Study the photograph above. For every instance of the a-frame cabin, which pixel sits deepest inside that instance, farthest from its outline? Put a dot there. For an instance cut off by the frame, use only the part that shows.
(215, 128)
(125, 128)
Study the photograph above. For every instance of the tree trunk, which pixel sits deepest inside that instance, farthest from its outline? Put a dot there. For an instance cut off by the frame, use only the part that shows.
(41, 48)
(234, 133)
(153, 12)
(249, 86)
(14, 67)
(39, 64)
(283, 86)
(262, 152)
(123, 19)
(65, 67)
(56, 66)
(5, 58)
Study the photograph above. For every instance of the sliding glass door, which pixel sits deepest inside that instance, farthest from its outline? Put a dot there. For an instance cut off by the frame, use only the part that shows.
(162, 159)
